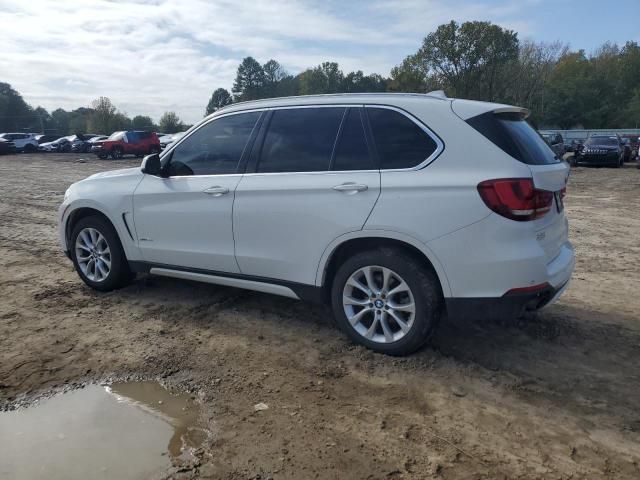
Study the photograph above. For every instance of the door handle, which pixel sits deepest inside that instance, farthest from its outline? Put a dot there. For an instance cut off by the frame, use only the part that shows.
(216, 191)
(351, 187)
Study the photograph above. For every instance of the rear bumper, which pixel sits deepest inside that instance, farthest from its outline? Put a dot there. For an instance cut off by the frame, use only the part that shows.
(505, 307)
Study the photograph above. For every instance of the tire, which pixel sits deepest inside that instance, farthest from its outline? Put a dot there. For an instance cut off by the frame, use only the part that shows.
(90, 230)
(117, 153)
(103, 156)
(423, 293)
(29, 148)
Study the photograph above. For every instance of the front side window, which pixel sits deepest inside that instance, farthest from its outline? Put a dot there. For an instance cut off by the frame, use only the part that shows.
(215, 148)
(400, 142)
(300, 140)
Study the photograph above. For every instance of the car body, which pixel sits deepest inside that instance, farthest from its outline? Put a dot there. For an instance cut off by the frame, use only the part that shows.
(134, 142)
(601, 150)
(46, 138)
(82, 143)
(6, 147)
(23, 142)
(168, 139)
(61, 145)
(556, 142)
(368, 202)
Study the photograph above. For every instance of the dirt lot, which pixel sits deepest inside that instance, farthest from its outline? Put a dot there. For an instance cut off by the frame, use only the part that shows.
(552, 396)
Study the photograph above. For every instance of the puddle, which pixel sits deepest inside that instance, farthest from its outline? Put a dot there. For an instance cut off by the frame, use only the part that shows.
(126, 430)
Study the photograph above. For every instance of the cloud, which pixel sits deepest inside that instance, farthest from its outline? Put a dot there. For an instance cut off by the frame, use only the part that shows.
(150, 56)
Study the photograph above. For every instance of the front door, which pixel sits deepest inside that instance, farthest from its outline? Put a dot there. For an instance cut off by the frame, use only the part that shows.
(185, 218)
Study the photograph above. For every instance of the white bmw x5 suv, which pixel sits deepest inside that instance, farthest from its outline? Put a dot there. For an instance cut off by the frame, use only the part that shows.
(395, 209)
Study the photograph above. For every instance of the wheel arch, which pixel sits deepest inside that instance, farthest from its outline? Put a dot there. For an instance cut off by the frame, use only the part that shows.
(83, 212)
(348, 244)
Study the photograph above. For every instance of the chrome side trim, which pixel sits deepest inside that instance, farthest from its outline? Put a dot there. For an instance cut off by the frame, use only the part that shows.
(227, 281)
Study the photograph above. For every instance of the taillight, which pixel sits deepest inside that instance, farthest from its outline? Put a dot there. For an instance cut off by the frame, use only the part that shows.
(515, 198)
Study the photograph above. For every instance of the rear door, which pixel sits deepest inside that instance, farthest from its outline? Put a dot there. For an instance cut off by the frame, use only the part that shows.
(311, 179)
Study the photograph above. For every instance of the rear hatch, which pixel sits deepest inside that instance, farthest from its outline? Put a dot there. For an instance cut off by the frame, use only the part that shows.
(508, 129)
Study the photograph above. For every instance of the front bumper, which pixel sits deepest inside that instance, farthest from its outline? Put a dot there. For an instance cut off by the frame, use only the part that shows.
(591, 159)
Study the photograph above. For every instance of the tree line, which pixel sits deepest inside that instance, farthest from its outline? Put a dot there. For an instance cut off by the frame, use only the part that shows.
(475, 60)
(101, 116)
(479, 61)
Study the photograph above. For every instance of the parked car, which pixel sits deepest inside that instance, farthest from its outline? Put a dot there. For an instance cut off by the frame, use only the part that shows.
(24, 142)
(575, 145)
(61, 145)
(626, 149)
(82, 144)
(603, 150)
(131, 142)
(166, 140)
(45, 138)
(367, 202)
(6, 147)
(556, 142)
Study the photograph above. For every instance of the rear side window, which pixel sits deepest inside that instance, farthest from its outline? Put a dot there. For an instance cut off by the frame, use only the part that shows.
(351, 150)
(300, 140)
(215, 148)
(515, 136)
(400, 142)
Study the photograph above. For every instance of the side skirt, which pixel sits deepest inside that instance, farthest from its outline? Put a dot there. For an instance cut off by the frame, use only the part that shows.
(298, 291)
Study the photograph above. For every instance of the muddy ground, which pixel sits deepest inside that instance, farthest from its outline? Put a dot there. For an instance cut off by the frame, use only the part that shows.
(552, 396)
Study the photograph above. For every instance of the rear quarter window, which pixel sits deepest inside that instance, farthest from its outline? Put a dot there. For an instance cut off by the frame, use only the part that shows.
(512, 134)
(400, 142)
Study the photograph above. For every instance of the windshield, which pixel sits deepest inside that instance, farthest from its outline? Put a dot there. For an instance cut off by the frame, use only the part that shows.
(608, 141)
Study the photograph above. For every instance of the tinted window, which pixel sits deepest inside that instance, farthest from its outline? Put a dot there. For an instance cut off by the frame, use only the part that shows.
(215, 148)
(400, 142)
(351, 151)
(300, 140)
(515, 136)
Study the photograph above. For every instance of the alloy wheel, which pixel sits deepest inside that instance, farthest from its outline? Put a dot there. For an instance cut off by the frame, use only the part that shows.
(379, 304)
(93, 254)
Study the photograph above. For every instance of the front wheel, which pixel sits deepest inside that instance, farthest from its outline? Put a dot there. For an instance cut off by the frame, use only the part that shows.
(386, 300)
(117, 153)
(98, 255)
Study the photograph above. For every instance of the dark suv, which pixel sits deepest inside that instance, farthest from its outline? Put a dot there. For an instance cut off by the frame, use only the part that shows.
(606, 150)
(119, 144)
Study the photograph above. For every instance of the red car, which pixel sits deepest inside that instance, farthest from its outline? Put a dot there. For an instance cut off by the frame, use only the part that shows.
(120, 144)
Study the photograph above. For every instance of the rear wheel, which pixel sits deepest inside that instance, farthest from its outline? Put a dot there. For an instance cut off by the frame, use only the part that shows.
(29, 148)
(98, 255)
(386, 300)
(117, 153)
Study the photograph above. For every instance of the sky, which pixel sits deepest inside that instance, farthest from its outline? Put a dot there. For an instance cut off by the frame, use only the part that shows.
(151, 56)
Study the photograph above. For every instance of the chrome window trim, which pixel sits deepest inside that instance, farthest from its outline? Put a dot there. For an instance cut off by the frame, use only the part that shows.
(430, 159)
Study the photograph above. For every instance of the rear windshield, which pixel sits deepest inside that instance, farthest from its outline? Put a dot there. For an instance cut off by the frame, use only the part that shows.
(515, 136)
(611, 141)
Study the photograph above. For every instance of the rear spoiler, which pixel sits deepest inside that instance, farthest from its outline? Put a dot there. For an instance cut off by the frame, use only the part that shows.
(466, 109)
(523, 112)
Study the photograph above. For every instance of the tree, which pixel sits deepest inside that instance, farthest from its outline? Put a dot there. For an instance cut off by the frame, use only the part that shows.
(469, 60)
(250, 79)
(220, 98)
(142, 122)
(170, 123)
(102, 120)
(355, 82)
(325, 78)
(15, 113)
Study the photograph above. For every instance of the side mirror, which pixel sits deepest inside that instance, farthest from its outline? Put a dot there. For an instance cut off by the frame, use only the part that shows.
(151, 165)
